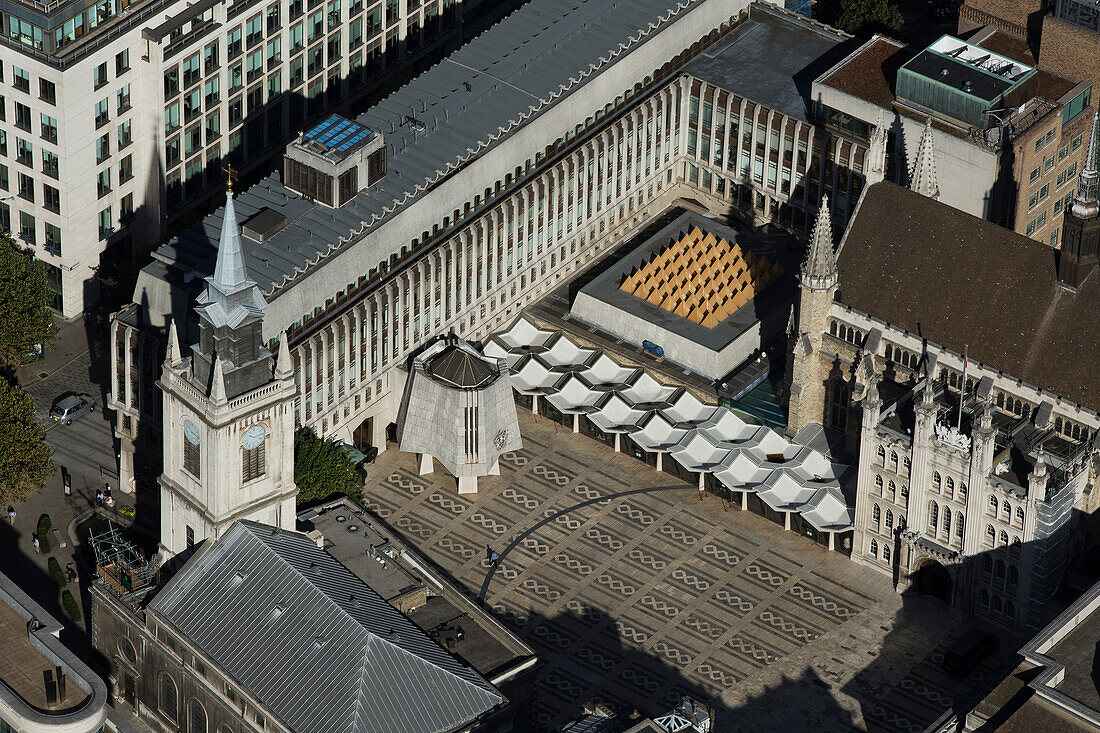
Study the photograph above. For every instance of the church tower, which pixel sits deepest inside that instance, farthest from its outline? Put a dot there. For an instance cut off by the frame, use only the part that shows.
(817, 282)
(228, 413)
(1081, 225)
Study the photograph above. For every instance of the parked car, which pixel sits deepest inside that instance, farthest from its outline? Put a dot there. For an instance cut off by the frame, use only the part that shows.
(969, 651)
(72, 407)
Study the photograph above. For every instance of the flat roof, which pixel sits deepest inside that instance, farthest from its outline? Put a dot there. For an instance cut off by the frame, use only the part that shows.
(605, 287)
(1078, 651)
(958, 75)
(335, 137)
(772, 58)
(22, 666)
(448, 116)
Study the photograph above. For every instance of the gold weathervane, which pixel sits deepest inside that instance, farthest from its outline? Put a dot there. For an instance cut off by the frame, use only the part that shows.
(231, 175)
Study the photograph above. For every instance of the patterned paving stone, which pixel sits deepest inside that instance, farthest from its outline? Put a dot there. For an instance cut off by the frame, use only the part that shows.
(636, 598)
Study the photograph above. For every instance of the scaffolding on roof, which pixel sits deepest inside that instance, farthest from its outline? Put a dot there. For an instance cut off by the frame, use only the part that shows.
(121, 566)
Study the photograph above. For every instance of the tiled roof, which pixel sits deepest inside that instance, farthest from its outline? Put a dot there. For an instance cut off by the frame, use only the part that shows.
(314, 644)
(446, 117)
(960, 281)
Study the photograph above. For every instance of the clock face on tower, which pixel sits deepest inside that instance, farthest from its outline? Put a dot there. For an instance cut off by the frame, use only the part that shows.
(500, 438)
(191, 432)
(254, 438)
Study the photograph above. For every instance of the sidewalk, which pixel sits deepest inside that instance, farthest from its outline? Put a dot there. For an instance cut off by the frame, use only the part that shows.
(70, 343)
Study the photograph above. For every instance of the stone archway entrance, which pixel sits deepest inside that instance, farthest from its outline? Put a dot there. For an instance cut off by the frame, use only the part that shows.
(932, 579)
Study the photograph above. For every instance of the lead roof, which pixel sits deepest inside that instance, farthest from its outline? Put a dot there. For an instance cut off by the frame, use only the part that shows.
(447, 116)
(314, 644)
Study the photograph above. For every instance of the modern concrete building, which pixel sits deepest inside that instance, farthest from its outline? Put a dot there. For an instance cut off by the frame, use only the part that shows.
(118, 116)
(45, 687)
(964, 391)
(1008, 136)
(507, 168)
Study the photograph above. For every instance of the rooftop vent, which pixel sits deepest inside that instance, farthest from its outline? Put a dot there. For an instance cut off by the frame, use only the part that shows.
(319, 642)
(276, 612)
(334, 160)
(238, 578)
(263, 225)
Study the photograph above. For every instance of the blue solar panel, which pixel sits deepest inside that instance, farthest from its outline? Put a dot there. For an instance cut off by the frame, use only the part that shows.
(338, 134)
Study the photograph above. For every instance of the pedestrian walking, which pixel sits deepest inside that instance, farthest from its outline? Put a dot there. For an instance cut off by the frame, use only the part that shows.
(11, 515)
(37, 544)
(493, 558)
(488, 552)
(70, 573)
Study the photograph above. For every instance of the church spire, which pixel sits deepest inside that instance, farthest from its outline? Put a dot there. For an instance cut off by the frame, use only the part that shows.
(229, 272)
(819, 269)
(173, 354)
(1085, 203)
(217, 382)
(284, 369)
(922, 177)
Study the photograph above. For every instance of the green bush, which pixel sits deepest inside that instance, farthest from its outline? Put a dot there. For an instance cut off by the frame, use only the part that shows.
(57, 573)
(44, 527)
(71, 609)
(322, 470)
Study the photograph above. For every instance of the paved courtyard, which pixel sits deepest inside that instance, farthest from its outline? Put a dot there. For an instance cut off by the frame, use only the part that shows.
(634, 591)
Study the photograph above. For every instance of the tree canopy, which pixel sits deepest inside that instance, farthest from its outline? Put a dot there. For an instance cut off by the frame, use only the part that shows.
(24, 456)
(322, 470)
(860, 17)
(25, 319)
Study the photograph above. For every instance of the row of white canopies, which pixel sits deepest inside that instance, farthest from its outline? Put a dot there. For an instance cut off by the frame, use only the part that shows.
(666, 420)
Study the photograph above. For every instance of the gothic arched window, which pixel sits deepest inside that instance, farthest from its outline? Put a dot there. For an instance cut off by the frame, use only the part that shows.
(1019, 515)
(936, 481)
(987, 565)
(196, 717)
(886, 552)
(933, 516)
(876, 513)
(1007, 508)
(191, 453)
(992, 505)
(892, 489)
(1013, 576)
(874, 548)
(882, 456)
(949, 486)
(1004, 537)
(894, 461)
(889, 519)
(959, 518)
(990, 533)
(947, 521)
(253, 453)
(878, 483)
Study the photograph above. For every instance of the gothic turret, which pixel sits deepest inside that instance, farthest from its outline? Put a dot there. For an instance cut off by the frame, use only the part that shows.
(1081, 226)
(922, 176)
(231, 311)
(819, 270)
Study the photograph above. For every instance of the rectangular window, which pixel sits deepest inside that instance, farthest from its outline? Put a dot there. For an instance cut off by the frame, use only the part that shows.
(1041, 221)
(1032, 200)
(190, 533)
(171, 118)
(192, 104)
(50, 164)
(213, 127)
(297, 38)
(102, 114)
(49, 128)
(1030, 228)
(27, 227)
(275, 85)
(26, 187)
(236, 111)
(236, 77)
(122, 62)
(192, 140)
(22, 116)
(126, 208)
(103, 148)
(254, 30)
(233, 43)
(1054, 238)
(255, 98)
(211, 91)
(99, 75)
(316, 61)
(316, 25)
(210, 58)
(296, 72)
(4, 178)
(125, 136)
(125, 169)
(47, 91)
(1048, 164)
(103, 182)
(105, 225)
(355, 34)
(1034, 176)
(172, 152)
(255, 65)
(21, 79)
(274, 52)
(53, 239)
(1063, 152)
(24, 152)
(273, 23)
(51, 198)
(171, 82)
(334, 51)
(253, 461)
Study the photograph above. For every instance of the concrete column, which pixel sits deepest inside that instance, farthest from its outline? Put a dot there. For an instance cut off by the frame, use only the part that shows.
(618, 442)
(832, 541)
(346, 322)
(534, 404)
(787, 521)
(551, 216)
(126, 468)
(744, 501)
(127, 361)
(115, 326)
(450, 289)
(660, 461)
(576, 422)
(427, 465)
(400, 312)
(322, 340)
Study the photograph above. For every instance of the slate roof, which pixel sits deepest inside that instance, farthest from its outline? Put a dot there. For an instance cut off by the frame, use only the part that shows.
(444, 118)
(958, 280)
(320, 650)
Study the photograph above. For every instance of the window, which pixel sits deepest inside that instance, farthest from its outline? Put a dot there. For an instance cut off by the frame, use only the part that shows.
(171, 118)
(192, 105)
(103, 148)
(253, 453)
(273, 23)
(316, 25)
(876, 514)
(191, 448)
(105, 225)
(213, 128)
(102, 115)
(892, 488)
(959, 519)
(192, 139)
(894, 461)
(1013, 576)
(125, 169)
(167, 701)
(236, 77)
(947, 521)
(1048, 164)
(878, 484)
(103, 182)
(274, 52)
(190, 536)
(1076, 142)
(196, 714)
(22, 116)
(236, 111)
(1034, 175)
(936, 481)
(1019, 515)
(254, 30)
(125, 137)
(255, 64)
(49, 128)
(1044, 192)
(990, 533)
(1054, 237)
(126, 208)
(192, 70)
(1006, 508)
(24, 152)
(99, 75)
(122, 62)
(171, 82)
(949, 486)
(889, 519)
(874, 548)
(1030, 228)
(53, 239)
(933, 516)
(233, 43)
(210, 57)
(886, 552)
(50, 164)
(21, 79)
(993, 505)
(275, 86)
(211, 90)
(26, 187)
(51, 198)
(1063, 152)
(47, 91)
(27, 227)
(1042, 220)
(881, 456)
